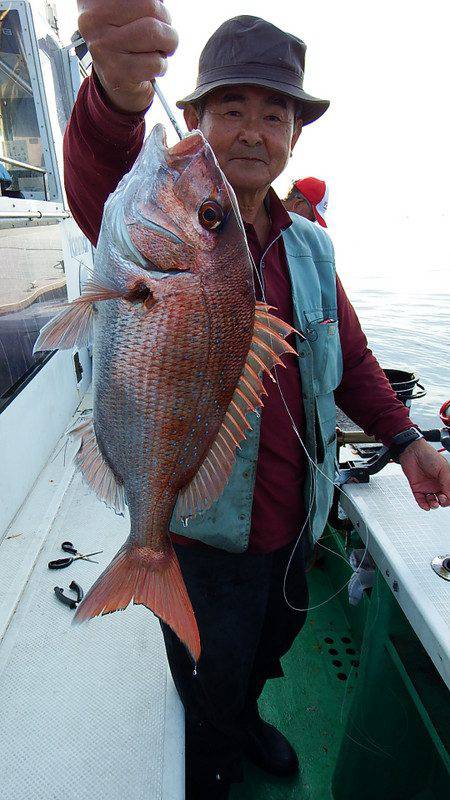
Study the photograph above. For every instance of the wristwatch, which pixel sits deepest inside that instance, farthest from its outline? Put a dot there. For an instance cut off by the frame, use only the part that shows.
(403, 440)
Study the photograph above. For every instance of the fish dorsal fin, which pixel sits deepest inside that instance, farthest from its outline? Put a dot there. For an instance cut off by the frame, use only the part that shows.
(268, 344)
(96, 472)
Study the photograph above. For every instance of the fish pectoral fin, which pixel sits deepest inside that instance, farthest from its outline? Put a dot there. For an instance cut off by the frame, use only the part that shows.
(147, 578)
(92, 465)
(268, 344)
(73, 326)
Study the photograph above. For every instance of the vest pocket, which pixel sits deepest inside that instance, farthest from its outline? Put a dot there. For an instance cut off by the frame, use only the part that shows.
(322, 333)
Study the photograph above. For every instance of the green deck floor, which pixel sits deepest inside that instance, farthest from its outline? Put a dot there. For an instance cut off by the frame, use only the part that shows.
(310, 704)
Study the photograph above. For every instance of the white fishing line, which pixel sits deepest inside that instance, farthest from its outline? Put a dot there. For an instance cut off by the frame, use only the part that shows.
(317, 469)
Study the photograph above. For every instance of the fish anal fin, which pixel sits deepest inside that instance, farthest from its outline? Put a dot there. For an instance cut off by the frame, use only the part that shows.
(212, 476)
(145, 577)
(95, 470)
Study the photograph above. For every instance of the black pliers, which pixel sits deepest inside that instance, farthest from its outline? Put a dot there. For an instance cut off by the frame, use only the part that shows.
(69, 601)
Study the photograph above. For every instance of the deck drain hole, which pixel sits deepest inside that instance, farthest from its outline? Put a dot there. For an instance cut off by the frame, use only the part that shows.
(342, 676)
(346, 640)
(350, 651)
(329, 640)
(337, 663)
(332, 651)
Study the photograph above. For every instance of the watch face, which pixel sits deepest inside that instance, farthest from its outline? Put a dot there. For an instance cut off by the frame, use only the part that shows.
(407, 436)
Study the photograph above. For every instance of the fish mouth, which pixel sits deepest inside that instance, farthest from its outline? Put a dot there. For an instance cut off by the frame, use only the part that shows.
(150, 209)
(190, 146)
(176, 160)
(177, 157)
(180, 155)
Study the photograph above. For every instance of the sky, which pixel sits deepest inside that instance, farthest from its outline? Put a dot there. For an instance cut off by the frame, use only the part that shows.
(383, 144)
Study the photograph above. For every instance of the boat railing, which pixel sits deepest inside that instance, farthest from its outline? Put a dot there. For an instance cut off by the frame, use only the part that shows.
(34, 214)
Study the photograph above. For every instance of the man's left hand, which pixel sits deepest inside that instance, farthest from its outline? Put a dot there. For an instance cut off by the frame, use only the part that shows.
(428, 473)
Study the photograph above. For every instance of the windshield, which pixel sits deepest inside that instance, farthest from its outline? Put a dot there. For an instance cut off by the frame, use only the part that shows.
(22, 173)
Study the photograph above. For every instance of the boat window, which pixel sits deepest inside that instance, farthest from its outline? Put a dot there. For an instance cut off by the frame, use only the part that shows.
(22, 169)
(32, 290)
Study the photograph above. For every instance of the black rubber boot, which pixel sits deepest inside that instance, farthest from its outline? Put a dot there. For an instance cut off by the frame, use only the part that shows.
(270, 750)
(199, 791)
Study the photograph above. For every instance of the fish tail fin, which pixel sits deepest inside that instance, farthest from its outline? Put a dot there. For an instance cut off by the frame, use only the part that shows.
(147, 578)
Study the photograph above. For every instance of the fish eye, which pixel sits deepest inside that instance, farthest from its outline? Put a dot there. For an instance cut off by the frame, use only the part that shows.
(210, 215)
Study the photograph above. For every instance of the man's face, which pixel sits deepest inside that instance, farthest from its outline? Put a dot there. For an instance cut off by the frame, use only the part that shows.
(252, 131)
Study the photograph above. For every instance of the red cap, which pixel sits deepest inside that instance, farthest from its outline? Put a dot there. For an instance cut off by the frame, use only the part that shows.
(316, 192)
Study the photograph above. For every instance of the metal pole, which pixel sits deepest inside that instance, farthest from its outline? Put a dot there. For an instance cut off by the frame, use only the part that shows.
(168, 110)
(22, 164)
(34, 215)
(14, 77)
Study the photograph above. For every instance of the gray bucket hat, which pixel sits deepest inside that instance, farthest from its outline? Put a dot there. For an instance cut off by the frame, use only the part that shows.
(249, 50)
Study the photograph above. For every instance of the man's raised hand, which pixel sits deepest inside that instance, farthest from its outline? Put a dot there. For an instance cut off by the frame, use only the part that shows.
(129, 43)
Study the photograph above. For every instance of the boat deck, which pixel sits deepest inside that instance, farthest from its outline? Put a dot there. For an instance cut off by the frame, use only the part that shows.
(310, 705)
(403, 540)
(330, 706)
(89, 712)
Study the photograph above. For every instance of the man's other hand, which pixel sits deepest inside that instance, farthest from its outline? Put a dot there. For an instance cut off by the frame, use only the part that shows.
(428, 473)
(129, 43)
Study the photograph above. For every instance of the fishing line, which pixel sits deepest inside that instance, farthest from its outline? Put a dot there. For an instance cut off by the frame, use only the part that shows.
(313, 483)
(294, 427)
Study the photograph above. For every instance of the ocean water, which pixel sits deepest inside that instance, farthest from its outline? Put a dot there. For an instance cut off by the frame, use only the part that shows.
(408, 328)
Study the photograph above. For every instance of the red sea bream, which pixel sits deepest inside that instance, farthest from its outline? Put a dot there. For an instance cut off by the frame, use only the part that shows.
(179, 349)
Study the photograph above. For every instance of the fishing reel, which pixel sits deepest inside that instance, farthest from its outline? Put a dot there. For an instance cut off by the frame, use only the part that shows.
(444, 414)
(361, 472)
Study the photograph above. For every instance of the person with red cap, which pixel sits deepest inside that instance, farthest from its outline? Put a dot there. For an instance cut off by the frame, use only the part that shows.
(308, 197)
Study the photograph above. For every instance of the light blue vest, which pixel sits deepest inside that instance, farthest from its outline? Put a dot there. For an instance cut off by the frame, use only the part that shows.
(312, 273)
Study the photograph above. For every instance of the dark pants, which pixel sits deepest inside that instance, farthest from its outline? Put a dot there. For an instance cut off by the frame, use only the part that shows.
(245, 627)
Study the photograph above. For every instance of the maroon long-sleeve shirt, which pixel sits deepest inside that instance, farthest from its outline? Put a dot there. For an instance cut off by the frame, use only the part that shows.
(100, 146)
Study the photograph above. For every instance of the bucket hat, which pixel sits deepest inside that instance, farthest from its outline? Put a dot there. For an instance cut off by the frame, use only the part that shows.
(248, 50)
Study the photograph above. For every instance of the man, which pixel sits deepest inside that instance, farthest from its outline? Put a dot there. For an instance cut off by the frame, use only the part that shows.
(309, 198)
(250, 104)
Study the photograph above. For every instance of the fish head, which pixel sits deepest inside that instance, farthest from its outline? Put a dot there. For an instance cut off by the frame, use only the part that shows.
(179, 208)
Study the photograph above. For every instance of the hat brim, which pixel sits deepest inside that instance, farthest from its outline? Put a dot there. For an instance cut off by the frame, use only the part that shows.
(312, 107)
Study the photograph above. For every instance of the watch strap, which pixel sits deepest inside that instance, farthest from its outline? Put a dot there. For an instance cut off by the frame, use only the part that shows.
(402, 440)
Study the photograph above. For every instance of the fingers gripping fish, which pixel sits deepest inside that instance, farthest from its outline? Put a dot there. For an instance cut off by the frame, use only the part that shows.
(179, 350)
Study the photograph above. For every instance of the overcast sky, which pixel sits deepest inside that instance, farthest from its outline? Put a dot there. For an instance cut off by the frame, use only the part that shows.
(383, 146)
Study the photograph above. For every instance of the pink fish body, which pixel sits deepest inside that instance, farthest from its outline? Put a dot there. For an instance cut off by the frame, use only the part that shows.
(179, 348)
